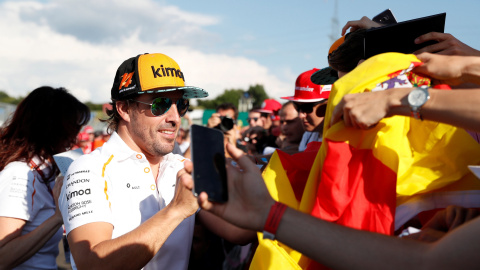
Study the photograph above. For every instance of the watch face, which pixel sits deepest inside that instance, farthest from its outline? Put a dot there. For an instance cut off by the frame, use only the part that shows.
(417, 98)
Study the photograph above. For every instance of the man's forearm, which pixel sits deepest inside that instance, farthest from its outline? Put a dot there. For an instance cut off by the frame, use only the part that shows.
(129, 251)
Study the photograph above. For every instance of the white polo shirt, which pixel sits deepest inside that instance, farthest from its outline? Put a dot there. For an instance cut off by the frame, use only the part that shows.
(24, 195)
(115, 184)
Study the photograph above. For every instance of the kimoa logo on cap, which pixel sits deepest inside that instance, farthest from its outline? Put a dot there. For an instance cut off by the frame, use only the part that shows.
(167, 72)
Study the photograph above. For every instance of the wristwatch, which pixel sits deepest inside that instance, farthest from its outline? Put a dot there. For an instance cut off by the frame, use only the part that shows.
(416, 98)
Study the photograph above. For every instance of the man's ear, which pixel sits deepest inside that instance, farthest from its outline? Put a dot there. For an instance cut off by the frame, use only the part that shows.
(123, 109)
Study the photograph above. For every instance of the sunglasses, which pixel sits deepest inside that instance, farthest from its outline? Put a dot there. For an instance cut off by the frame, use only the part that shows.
(253, 118)
(308, 107)
(161, 105)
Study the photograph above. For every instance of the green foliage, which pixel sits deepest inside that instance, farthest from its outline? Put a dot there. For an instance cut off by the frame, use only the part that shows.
(229, 96)
(257, 92)
(93, 106)
(5, 98)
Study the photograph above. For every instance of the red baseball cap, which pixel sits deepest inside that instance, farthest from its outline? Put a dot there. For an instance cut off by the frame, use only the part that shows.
(82, 136)
(88, 129)
(307, 91)
(270, 106)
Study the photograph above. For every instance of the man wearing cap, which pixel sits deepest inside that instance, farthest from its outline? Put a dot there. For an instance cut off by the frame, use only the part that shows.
(310, 100)
(291, 127)
(122, 205)
(269, 112)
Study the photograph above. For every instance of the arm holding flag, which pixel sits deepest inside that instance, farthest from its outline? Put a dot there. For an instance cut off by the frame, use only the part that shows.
(365, 110)
(458, 107)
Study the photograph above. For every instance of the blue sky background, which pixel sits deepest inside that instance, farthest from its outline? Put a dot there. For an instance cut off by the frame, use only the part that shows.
(218, 44)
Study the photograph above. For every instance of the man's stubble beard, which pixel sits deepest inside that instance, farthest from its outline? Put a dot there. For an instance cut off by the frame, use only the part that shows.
(155, 147)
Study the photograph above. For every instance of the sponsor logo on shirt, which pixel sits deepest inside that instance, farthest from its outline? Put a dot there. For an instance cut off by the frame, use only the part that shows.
(73, 182)
(132, 187)
(76, 193)
(77, 172)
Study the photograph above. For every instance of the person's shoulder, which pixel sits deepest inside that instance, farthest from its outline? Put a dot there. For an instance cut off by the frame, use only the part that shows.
(17, 165)
(16, 168)
(175, 158)
(89, 161)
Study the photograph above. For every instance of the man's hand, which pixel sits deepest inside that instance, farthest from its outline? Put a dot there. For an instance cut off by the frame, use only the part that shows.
(443, 221)
(184, 199)
(444, 69)
(364, 110)
(249, 200)
(447, 45)
(451, 217)
(363, 23)
(214, 120)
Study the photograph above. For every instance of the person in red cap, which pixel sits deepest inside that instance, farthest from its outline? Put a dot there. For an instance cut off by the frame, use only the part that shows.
(310, 100)
(83, 142)
(269, 116)
(269, 113)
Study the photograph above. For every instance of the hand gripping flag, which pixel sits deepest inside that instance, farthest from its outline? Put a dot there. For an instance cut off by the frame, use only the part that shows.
(403, 164)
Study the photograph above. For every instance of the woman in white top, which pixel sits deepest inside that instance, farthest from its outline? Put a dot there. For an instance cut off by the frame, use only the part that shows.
(45, 123)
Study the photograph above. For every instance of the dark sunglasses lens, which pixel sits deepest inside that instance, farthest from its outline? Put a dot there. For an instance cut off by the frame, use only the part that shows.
(161, 105)
(305, 107)
(322, 110)
(182, 106)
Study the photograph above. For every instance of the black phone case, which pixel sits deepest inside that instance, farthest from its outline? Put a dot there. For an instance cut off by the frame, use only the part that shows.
(400, 37)
(385, 17)
(208, 157)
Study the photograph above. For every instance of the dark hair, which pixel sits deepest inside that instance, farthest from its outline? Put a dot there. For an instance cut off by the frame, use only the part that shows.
(113, 118)
(286, 104)
(228, 106)
(346, 57)
(45, 123)
(255, 109)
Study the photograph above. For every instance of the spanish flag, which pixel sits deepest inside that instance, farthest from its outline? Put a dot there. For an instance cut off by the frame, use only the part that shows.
(402, 164)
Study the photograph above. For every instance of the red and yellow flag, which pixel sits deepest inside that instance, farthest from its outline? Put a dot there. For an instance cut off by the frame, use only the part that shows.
(402, 163)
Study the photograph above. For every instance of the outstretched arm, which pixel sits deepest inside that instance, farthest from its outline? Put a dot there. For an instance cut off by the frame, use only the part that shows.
(92, 245)
(447, 45)
(451, 70)
(334, 245)
(365, 110)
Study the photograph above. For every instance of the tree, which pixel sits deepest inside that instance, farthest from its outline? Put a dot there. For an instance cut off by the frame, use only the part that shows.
(93, 106)
(5, 98)
(229, 96)
(257, 92)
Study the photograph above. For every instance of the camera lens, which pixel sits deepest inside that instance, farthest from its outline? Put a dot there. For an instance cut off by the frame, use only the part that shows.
(226, 123)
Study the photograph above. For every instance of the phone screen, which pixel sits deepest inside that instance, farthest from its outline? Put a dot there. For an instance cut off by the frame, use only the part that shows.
(208, 157)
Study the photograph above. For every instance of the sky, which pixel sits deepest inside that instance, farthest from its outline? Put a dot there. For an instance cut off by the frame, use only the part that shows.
(219, 45)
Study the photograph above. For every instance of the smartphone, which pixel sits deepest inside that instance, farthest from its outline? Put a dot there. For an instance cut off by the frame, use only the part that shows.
(385, 17)
(208, 157)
